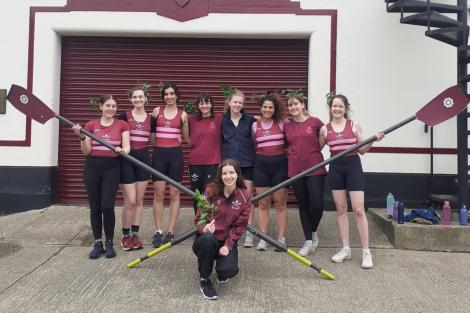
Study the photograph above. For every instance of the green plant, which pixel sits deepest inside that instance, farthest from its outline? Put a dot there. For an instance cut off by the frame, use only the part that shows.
(94, 102)
(293, 93)
(329, 96)
(227, 90)
(207, 209)
(188, 107)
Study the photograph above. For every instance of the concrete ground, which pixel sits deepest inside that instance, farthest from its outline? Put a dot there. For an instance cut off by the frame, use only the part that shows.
(44, 267)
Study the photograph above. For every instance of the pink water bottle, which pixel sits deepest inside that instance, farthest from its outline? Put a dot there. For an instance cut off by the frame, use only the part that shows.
(446, 213)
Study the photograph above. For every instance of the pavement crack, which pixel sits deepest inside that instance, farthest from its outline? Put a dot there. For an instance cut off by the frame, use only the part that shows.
(41, 264)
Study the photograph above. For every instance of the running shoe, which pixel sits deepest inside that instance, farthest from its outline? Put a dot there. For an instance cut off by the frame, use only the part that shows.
(136, 243)
(157, 240)
(343, 254)
(126, 243)
(367, 259)
(97, 250)
(168, 238)
(208, 290)
(109, 249)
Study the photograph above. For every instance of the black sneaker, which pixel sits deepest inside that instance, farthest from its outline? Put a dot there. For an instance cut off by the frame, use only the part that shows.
(97, 250)
(168, 237)
(208, 290)
(221, 280)
(108, 249)
(157, 240)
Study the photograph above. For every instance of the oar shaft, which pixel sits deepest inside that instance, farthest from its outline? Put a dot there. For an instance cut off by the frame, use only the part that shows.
(130, 158)
(295, 178)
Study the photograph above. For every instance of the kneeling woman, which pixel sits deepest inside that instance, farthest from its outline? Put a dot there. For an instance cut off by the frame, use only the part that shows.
(102, 172)
(217, 239)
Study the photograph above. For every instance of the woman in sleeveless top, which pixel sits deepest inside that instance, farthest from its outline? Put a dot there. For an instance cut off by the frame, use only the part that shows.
(172, 123)
(270, 166)
(134, 179)
(346, 175)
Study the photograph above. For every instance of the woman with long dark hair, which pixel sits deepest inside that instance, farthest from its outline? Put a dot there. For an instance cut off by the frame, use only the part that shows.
(217, 237)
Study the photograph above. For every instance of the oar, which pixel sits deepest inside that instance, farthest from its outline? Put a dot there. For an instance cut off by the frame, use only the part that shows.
(447, 104)
(31, 106)
(168, 245)
(290, 252)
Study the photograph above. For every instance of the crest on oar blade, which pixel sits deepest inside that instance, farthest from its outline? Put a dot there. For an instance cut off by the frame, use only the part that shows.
(27, 103)
(447, 104)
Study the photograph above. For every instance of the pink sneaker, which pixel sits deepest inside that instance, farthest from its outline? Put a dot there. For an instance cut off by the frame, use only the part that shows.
(126, 243)
(136, 243)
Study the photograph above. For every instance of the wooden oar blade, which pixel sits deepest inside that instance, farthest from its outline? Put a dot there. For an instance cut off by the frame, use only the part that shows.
(447, 104)
(27, 103)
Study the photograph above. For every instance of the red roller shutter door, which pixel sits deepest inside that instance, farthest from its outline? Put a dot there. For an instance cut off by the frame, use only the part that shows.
(96, 65)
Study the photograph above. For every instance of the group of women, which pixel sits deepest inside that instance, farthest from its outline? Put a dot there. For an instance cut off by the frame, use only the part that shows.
(230, 155)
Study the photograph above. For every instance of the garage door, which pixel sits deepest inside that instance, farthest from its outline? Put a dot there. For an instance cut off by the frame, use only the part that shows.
(92, 66)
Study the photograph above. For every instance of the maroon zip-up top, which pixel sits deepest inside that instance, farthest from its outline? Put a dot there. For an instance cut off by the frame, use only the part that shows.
(231, 216)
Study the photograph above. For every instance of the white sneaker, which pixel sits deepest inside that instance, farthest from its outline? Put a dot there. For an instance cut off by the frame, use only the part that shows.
(282, 241)
(307, 248)
(367, 259)
(249, 240)
(343, 254)
(315, 239)
(262, 245)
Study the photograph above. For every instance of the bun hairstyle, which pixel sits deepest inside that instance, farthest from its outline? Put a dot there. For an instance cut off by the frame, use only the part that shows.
(102, 99)
(347, 114)
(136, 88)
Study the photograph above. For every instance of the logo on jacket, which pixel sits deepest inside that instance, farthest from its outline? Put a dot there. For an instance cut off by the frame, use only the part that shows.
(167, 124)
(309, 130)
(139, 126)
(266, 132)
(339, 136)
(106, 137)
(236, 204)
(195, 177)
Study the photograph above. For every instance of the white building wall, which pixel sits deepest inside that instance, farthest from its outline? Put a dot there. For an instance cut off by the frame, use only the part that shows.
(387, 70)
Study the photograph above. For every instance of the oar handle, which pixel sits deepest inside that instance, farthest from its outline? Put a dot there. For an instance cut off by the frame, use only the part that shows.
(130, 158)
(328, 161)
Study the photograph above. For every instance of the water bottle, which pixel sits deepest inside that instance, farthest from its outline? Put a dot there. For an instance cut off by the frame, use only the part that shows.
(446, 213)
(395, 211)
(463, 215)
(390, 202)
(401, 213)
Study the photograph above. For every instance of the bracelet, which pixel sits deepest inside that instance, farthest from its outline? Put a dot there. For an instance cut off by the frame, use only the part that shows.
(82, 138)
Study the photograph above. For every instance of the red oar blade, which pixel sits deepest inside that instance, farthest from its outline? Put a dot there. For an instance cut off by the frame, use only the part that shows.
(29, 104)
(447, 104)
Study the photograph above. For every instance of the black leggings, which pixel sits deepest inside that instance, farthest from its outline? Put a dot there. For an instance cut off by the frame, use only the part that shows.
(206, 248)
(101, 177)
(200, 176)
(309, 194)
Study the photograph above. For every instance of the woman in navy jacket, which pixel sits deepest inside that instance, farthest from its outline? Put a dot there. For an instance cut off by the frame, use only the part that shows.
(237, 143)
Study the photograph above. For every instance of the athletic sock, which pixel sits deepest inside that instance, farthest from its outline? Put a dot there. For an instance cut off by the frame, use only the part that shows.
(159, 231)
(135, 229)
(126, 231)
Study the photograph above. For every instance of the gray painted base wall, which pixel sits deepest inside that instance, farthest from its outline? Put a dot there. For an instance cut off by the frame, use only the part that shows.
(28, 188)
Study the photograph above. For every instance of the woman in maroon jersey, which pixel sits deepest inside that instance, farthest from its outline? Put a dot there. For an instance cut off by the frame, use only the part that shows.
(302, 134)
(102, 172)
(345, 174)
(270, 166)
(217, 238)
(171, 124)
(134, 179)
(206, 143)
